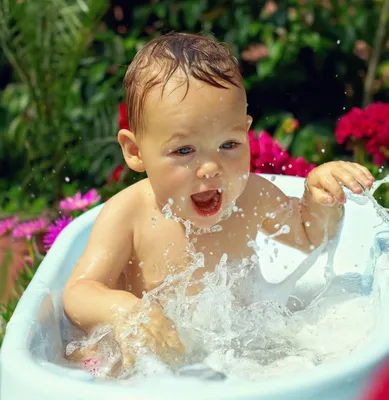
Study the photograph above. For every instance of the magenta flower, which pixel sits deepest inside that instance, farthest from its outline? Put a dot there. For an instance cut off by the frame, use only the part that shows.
(369, 126)
(7, 224)
(28, 229)
(79, 201)
(268, 157)
(54, 230)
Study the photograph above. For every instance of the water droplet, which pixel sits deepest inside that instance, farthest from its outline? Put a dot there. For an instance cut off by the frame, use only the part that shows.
(307, 224)
(67, 179)
(323, 150)
(338, 42)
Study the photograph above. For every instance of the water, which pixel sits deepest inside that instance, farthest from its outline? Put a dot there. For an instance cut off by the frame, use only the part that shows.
(241, 327)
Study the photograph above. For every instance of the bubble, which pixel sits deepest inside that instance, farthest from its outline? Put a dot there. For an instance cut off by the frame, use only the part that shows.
(171, 201)
(307, 224)
(182, 198)
(67, 179)
(273, 178)
(245, 176)
(338, 41)
(141, 264)
(220, 190)
(206, 176)
(235, 209)
(323, 150)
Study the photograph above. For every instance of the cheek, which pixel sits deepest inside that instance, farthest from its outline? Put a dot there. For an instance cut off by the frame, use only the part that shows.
(170, 182)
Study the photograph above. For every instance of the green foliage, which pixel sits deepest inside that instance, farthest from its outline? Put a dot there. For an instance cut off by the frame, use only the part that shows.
(307, 66)
(63, 104)
(7, 309)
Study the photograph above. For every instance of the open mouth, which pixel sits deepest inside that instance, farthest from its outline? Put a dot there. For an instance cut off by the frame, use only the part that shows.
(207, 203)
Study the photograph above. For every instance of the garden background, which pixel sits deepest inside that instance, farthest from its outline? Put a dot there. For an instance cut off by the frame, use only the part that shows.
(316, 74)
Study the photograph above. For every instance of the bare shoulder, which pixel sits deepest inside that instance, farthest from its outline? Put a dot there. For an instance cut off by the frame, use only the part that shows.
(127, 204)
(110, 243)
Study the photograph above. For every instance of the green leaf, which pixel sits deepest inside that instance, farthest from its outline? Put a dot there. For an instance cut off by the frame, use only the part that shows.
(4, 272)
(315, 143)
(266, 66)
(98, 71)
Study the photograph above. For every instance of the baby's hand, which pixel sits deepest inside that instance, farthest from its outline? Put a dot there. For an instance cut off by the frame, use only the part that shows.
(152, 330)
(324, 182)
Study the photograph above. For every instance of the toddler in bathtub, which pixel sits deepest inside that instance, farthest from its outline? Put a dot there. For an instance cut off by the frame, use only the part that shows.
(188, 130)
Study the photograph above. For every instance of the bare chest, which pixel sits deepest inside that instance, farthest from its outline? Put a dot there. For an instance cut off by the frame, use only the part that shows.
(162, 248)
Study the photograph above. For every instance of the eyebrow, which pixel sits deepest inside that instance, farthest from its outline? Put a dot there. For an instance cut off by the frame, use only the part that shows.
(176, 135)
(184, 135)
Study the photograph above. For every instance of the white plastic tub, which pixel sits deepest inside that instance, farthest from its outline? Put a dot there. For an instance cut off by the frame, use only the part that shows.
(33, 346)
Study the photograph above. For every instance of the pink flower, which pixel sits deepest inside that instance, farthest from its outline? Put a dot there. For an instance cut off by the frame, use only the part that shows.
(268, 157)
(298, 167)
(28, 229)
(54, 230)
(79, 201)
(7, 224)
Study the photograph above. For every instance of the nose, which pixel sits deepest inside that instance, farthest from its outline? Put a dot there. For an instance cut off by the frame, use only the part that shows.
(208, 169)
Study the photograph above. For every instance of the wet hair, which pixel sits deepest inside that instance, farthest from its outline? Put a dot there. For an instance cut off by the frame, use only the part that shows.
(195, 55)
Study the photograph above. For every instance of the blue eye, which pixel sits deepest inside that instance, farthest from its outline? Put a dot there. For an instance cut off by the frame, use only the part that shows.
(184, 151)
(229, 145)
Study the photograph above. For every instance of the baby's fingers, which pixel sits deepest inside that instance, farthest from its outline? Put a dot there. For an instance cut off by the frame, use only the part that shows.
(361, 173)
(328, 191)
(348, 176)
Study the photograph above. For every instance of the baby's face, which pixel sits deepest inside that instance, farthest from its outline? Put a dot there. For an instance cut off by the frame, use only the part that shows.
(196, 150)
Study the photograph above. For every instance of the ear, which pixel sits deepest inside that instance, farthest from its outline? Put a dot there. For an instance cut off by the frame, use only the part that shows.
(130, 150)
(249, 121)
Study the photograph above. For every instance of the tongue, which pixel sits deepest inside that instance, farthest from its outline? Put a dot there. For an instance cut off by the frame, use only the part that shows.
(204, 196)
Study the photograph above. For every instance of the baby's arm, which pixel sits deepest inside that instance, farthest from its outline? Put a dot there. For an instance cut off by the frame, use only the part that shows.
(91, 300)
(88, 299)
(320, 210)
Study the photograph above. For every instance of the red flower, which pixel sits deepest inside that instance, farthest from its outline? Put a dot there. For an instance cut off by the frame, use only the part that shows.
(379, 389)
(371, 126)
(116, 174)
(268, 157)
(123, 120)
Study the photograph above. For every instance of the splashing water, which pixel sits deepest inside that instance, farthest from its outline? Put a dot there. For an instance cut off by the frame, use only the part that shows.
(241, 327)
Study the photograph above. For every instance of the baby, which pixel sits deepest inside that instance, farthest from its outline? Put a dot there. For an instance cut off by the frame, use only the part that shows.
(188, 130)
